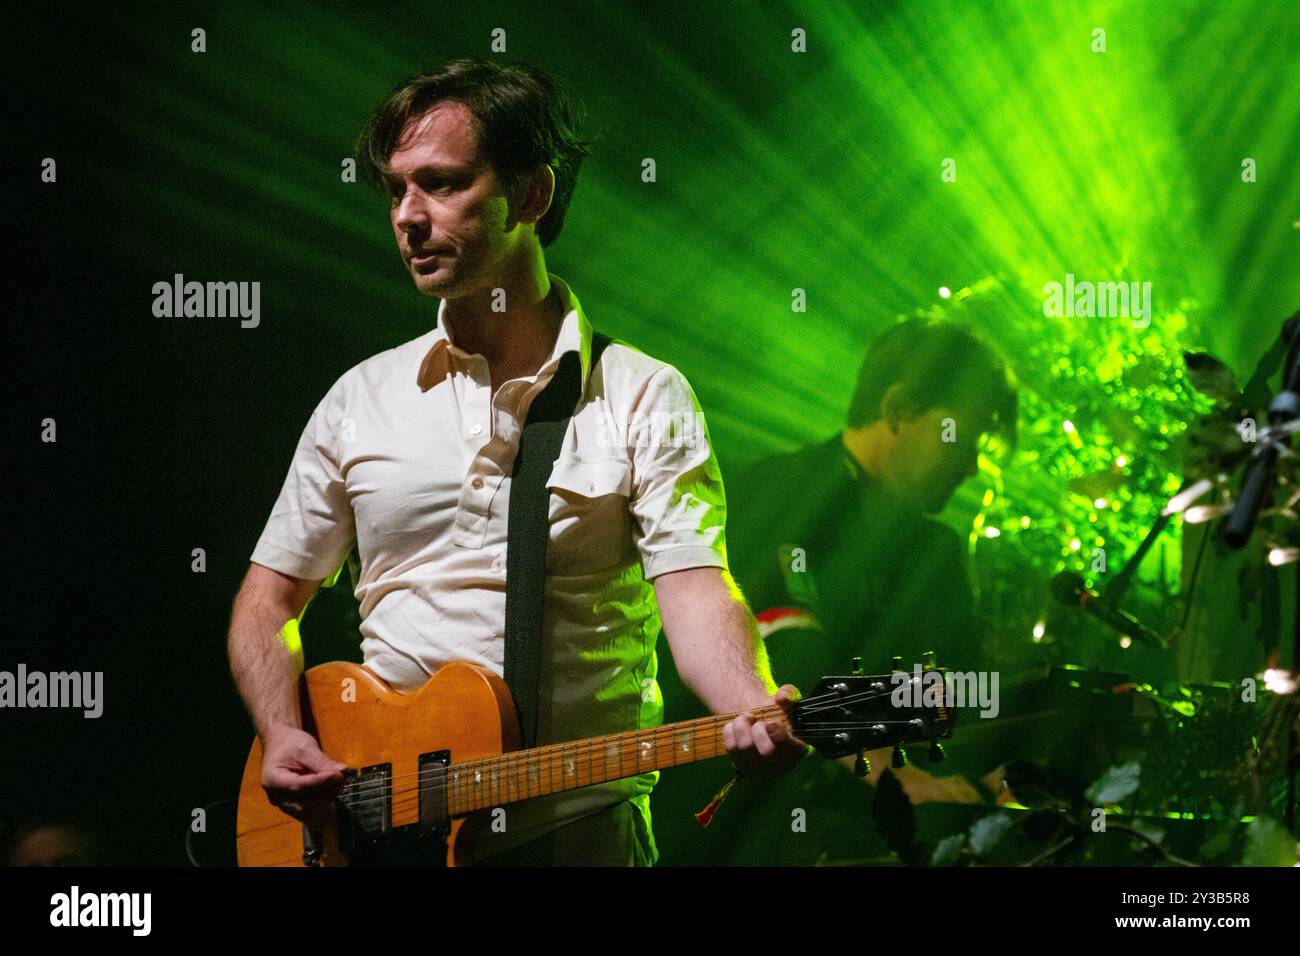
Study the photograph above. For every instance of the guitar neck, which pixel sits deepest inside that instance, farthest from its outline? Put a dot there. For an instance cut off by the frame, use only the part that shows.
(524, 774)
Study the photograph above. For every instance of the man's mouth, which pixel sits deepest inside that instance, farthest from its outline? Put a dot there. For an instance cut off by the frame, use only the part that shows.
(420, 258)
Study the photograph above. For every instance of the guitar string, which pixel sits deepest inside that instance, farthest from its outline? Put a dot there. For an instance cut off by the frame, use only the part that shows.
(508, 780)
(767, 710)
(773, 710)
(586, 760)
(508, 788)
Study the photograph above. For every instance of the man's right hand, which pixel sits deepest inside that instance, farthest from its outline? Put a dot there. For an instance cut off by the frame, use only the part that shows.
(297, 776)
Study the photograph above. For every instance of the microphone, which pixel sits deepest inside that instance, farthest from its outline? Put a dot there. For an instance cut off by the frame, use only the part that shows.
(1069, 588)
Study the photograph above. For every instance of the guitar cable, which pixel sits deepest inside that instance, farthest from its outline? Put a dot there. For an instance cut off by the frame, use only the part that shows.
(189, 830)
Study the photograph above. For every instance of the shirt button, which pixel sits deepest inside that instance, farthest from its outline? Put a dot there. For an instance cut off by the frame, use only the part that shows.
(476, 430)
(476, 484)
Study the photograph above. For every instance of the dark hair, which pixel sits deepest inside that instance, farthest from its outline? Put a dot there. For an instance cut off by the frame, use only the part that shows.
(937, 363)
(523, 116)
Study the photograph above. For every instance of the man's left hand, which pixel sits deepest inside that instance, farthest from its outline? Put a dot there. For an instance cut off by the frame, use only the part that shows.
(762, 747)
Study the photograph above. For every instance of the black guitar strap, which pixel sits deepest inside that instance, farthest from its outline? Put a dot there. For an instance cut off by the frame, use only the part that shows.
(528, 529)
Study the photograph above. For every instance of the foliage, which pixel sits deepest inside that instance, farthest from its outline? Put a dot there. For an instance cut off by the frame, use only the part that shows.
(1054, 822)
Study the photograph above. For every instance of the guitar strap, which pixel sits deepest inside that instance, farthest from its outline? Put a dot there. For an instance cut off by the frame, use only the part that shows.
(528, 529)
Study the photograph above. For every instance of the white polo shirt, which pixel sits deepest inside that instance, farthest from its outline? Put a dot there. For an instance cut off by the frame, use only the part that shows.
(409, 455)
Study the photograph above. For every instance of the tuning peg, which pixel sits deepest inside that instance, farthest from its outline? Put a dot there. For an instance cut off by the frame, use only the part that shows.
(861, 766)
(899, 757)
(856, 666)
(897, 665)
(927, 661)
(936, 752)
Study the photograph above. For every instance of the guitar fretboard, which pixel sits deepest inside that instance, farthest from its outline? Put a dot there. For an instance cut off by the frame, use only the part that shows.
(524, 774)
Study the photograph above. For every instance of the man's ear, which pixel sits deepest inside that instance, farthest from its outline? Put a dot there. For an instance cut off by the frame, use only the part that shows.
(533, 196)
(897, 405)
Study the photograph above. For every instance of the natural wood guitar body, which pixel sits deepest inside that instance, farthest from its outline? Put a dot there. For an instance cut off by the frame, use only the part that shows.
(361, 721)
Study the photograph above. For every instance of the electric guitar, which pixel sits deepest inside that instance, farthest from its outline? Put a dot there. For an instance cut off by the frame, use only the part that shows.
(426, 768)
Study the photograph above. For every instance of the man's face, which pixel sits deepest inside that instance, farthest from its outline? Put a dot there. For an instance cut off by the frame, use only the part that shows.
(935, 452)
(450, 215)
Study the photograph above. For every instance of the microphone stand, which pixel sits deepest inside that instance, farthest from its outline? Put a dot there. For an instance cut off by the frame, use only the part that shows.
(1118, 587)
(1256, 489)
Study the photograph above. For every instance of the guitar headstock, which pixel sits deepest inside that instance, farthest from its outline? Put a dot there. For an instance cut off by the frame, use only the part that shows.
(858, 712)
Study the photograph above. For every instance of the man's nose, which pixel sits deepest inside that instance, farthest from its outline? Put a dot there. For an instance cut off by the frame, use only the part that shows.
(409, 216)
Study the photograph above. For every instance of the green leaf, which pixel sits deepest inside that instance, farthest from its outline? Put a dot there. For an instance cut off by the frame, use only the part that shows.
(1268, 844)
(1115, 784)
(949, 848)
(1150, 830)
(987, 831)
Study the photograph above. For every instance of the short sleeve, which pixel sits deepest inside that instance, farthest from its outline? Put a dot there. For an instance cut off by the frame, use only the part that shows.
(677, 493)
(311, 528)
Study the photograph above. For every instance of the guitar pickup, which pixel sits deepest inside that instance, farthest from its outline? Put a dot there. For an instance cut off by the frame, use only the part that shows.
(434, 817)
(365, 815)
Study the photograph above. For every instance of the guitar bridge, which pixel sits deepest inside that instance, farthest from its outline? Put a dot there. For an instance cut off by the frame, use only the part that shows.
(365, 808)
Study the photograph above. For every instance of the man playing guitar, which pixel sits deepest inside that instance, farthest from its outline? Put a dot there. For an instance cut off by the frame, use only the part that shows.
(410, 456)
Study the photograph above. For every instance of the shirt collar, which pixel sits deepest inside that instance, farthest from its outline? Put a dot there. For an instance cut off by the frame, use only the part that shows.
(575, 336)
